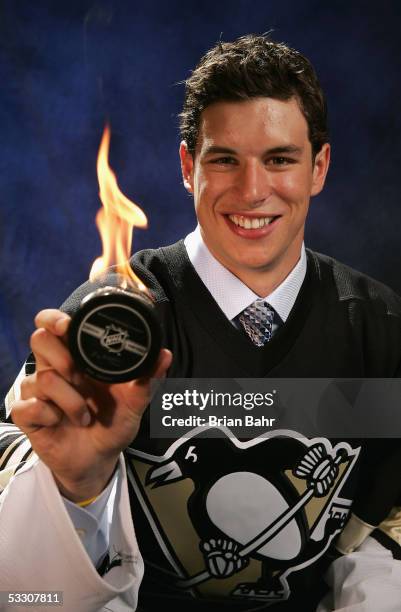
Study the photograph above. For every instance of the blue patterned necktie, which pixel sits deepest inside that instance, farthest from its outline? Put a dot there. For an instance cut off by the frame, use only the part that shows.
(257, 321)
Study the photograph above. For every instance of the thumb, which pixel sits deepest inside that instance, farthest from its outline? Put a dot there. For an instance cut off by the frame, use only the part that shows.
(162, 364)
(138, 393)
(158, 373)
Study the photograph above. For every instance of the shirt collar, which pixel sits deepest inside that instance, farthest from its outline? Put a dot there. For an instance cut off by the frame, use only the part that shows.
(230, 293)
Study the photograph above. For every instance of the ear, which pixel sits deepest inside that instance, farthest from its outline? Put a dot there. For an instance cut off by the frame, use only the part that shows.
(187, 167)
(320, 168)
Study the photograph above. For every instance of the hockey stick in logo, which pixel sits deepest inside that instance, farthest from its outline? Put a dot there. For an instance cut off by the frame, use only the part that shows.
(320, 471)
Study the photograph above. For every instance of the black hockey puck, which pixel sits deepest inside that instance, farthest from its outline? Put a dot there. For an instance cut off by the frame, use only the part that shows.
(115, 336)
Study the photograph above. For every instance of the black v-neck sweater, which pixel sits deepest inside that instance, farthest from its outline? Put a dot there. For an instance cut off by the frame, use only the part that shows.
(342, 325)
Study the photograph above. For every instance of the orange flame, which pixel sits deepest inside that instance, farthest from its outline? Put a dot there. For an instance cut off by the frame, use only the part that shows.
(115, 221)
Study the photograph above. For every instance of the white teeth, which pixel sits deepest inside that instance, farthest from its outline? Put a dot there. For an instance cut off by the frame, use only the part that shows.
(248, 223)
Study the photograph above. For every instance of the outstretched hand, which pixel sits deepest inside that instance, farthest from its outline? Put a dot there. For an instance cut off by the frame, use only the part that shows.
(76, 425)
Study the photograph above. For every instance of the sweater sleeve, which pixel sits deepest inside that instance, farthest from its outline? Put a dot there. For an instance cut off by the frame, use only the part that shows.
(41, 550)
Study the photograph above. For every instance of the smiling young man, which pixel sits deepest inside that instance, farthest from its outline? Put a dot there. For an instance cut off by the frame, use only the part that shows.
(220, 523)
(252, 174)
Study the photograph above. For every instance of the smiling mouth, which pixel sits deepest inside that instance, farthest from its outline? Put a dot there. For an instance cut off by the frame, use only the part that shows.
(252, 223)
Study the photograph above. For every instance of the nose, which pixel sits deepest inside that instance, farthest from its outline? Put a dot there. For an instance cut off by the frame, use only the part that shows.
(253, 183)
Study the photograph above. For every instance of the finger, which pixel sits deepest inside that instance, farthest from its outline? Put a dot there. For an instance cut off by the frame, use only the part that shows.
(163, 363)
(33, 414)
(50, 351)
(53, 320)
(64, 396)
(28, 388)
(159, 372)
(161, 366)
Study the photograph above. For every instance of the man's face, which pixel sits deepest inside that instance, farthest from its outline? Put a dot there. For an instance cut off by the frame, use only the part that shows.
(252, 178)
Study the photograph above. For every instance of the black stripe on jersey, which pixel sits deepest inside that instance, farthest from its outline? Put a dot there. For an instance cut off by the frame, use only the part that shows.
(387, 542)
(5, 443)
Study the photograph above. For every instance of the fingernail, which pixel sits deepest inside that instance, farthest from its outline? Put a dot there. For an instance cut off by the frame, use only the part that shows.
(61, 325)
(85, 419)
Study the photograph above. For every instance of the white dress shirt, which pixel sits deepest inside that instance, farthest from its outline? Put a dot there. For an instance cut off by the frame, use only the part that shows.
(230, 293)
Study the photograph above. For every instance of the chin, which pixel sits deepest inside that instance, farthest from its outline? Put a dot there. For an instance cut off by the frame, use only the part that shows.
(252, 265)
(263, 259)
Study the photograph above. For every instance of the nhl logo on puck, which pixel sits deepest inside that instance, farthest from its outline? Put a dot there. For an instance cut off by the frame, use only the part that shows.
(115, 335)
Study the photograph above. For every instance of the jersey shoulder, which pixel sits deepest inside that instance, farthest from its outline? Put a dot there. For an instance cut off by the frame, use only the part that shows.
(349, 284)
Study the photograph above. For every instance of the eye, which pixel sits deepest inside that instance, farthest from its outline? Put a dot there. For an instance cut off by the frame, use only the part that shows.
(280, 161)
(223, 160)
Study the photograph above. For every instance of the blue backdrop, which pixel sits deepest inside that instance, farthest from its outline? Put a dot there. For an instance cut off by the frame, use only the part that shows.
(68, 67)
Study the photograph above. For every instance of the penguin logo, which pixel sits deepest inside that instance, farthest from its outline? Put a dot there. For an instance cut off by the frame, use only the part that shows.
(249, 513)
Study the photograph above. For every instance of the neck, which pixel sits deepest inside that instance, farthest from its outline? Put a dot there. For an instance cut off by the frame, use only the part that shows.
(264, 281)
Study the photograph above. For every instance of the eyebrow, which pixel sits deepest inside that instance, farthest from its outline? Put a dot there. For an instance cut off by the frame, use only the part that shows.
(285, 149)
(293, 149)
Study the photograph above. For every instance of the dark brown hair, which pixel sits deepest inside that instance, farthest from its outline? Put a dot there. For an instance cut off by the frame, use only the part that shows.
(249, 67)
